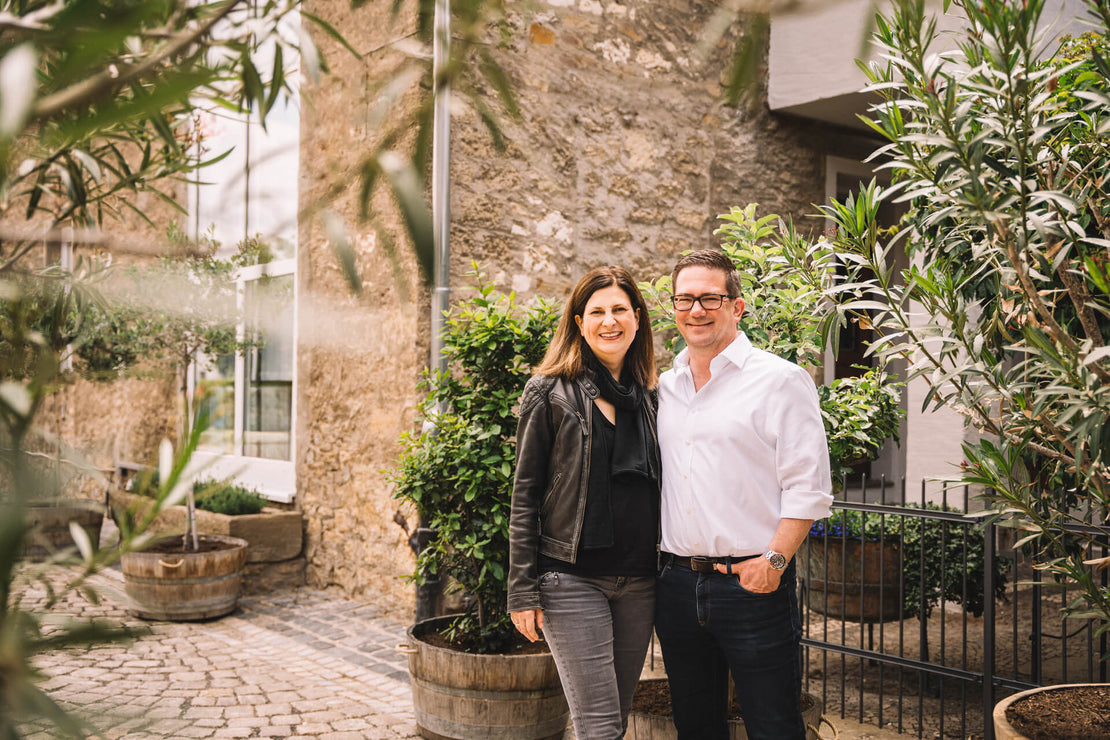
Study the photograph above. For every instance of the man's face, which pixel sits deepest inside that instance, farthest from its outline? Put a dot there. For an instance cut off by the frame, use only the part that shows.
(706, 331)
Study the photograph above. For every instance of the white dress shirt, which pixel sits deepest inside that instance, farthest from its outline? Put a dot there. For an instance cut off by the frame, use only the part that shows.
(745, 451)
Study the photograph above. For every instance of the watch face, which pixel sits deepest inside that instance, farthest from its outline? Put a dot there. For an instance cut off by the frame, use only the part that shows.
(776, 559)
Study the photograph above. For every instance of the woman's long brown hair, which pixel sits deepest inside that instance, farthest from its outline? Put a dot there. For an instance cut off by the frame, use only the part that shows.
(564, 356)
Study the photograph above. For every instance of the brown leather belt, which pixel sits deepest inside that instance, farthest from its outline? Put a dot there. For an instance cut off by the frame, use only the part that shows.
(704, 564)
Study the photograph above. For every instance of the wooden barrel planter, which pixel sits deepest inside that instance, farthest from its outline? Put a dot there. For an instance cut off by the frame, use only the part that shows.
(459, 695)
(164, 582)
(852, 579)
(48, 526)
(656, 723)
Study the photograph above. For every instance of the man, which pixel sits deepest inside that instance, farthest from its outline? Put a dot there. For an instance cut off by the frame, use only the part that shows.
(745, 473)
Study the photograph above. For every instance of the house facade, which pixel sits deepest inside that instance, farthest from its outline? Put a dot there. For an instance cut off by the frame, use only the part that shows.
(623, 152)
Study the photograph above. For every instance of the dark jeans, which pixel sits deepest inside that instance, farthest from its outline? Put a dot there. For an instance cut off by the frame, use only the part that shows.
(708, 624)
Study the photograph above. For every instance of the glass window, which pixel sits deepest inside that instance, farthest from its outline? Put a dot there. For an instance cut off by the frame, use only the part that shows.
(268, 400)
(251, 193)
(215, 390)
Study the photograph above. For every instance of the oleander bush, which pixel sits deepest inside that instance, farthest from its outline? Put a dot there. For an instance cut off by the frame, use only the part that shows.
(999, 148)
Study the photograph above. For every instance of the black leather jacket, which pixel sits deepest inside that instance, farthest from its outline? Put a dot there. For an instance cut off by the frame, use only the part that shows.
(552, 474)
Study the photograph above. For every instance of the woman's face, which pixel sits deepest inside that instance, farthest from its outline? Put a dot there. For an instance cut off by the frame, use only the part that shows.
(608, 324)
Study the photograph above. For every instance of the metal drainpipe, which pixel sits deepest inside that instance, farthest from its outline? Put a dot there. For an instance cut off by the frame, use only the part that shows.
(427, 594)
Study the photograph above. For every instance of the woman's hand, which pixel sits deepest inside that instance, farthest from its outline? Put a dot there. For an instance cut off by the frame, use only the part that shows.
(527, 622)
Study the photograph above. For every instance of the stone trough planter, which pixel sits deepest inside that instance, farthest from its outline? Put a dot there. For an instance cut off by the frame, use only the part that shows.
(48, 525)
(276, 539)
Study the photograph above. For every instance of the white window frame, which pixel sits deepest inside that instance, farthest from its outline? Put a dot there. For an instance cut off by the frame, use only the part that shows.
(273, 479)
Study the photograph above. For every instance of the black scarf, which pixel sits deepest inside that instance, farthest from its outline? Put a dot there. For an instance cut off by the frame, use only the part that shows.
(633, 448)
(634, 451)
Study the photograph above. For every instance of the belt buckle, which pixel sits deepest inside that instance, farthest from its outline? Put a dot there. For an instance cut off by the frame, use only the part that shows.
(700, 564)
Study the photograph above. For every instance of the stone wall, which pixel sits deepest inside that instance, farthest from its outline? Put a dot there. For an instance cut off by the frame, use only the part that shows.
(359, 356)
(623, 153)
(125, 419)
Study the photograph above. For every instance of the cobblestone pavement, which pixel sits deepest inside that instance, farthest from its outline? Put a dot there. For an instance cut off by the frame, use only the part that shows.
(296, 663)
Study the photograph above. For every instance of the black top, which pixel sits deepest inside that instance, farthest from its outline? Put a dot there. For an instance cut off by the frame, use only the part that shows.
(618, 540)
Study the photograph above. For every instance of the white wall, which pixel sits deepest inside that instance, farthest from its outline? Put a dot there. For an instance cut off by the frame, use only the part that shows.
(811, 65)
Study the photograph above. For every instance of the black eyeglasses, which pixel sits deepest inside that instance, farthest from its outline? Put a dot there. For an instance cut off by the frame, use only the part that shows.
(709, 301)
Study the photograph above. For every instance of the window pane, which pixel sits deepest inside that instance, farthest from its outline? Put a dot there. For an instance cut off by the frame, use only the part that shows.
(268, 402)
(273, 157)
(215, 392)
(220, 197)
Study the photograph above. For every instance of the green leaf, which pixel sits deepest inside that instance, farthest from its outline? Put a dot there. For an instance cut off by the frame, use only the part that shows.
(409, 191)
(331, 31)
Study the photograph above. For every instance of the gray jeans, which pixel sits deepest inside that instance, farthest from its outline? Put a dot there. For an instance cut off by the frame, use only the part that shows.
(598, 630)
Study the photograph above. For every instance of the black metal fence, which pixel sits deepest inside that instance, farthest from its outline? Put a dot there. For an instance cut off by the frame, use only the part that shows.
(930, 617)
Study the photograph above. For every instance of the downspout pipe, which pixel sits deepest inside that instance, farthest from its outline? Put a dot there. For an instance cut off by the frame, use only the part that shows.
(441, 178)
(427, 593)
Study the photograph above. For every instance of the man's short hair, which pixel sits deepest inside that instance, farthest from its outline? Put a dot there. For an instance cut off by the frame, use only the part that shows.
(714, 259)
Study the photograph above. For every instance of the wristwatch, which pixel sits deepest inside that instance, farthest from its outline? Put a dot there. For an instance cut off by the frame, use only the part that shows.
(776, 559)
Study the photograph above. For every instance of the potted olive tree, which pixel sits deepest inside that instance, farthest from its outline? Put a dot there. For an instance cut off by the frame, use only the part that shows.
(1001, 156)
(176, 314)
(457, 475)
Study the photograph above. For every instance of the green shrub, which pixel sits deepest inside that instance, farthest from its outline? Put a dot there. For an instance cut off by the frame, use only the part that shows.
(860, 414)
(226, 498)
(145, 483)
(221, 497)
(459, 477)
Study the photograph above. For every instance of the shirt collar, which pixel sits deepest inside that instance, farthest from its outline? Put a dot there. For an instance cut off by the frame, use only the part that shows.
(737, 352)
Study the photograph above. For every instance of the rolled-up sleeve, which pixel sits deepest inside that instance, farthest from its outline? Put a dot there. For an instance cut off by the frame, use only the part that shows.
(802, 455)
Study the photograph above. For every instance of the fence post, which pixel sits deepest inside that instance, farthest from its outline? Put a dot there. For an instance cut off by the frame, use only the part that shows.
(988, 631)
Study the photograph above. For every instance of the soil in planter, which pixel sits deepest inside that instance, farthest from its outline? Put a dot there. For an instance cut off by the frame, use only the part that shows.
(173, 546)
(520, 645)
(654, 698)
(1069, 713)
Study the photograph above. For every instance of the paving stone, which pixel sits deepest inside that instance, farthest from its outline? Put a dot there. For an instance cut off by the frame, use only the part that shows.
(318, 728)
(271, 709)
(293, 664)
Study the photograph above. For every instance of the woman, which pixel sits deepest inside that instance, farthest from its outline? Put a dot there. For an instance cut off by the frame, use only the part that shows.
(585, 510)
